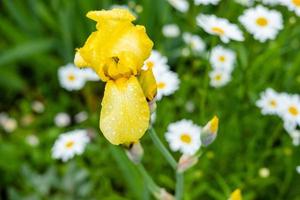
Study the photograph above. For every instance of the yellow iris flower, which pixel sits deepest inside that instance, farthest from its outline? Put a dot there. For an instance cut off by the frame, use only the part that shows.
(116, 51)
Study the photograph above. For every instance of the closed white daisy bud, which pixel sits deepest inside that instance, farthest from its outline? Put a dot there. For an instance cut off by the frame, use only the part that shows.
(209, 132)
(186, 162)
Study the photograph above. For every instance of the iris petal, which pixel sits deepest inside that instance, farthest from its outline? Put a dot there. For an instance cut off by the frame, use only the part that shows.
(125, 113)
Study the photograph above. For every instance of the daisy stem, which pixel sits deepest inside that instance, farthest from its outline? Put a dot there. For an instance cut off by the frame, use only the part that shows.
(168, 156)
(152, 186)
(179, 186)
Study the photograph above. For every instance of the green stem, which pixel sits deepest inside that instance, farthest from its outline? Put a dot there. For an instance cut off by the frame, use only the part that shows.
(152, 186)
(168, 156)
(179, 186)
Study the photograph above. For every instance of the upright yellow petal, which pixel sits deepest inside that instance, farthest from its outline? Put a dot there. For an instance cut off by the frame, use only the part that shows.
(125, 113)
(148, 84)
(117, 48)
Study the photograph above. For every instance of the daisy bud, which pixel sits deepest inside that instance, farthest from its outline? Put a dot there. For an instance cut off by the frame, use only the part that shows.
(135, 152)
(236, 195)
(164, 195)
(186, 162)
(209, 132)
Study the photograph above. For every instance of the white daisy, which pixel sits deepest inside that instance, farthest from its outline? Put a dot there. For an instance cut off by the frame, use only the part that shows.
(220, 27)
(290, 109)
(70, 144)
(32, 140)
(206, 2)
(245, 2)
(270, 2)
(194, 42)
(171, 30)
(292, 5)
(180, 5)
(262, 23)
(270, 102)
(70, 77)
(184, 136)
(222, 58)
(264, 172)
(89, 74)
(167, 83)
(81, 117)
(219, 77)
(62, 119)
(157, 62)
(298, 169)
(295, 135)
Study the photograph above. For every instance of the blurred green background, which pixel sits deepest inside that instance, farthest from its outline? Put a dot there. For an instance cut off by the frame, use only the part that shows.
(39, 36)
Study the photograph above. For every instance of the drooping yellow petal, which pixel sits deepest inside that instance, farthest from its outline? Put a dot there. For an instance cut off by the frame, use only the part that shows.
(118, 48)
(148, 84)
(125, 113)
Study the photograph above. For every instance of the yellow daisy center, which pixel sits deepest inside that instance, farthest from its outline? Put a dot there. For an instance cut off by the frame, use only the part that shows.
(218, 30)
(69, 144)
(262, 21)
(150, 64)
(273, 103)
(296, 2)
(161, 85)
(293, 110)
(222, 58)
(186, 138)
(71, 77)
(218, 77)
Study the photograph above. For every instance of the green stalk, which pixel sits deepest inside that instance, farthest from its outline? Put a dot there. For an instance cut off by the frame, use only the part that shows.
(152, 186)
(179, 186)
(168, 156)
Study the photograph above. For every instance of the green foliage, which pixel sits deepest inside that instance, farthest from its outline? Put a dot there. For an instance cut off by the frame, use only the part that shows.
(38, 36)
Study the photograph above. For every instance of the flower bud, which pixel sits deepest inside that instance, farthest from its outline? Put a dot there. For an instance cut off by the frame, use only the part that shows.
(135, 152)
(209, 132)
(164, 195)
(186, 162)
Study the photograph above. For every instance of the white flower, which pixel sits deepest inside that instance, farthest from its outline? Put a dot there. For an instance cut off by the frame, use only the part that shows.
(219, 77)
(290, 109)
(89, 74)
(167, 83)
(190, 106)
(32, 140)
(10, 124)
(62, 119)
(194, 42)
(81, 116)
(245, 2)
(292, 5)
(184, 136)
(222, 58)
(38, 106)
(70, 77)
(298, 169)
(264, 172)
(270, 102)
(171, 30)
(180, 5)
(220, 27)
(157, 62)
(270, 2)
(295, 135)
(262, 23)
(70, 144)
(206, 2)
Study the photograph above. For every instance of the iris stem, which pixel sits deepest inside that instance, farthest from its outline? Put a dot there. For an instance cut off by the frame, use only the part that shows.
(179, 186)
(168, 156)
(152, 186)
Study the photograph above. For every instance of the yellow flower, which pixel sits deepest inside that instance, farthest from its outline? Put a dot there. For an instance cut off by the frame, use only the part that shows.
(116, 51)
(236, 195)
